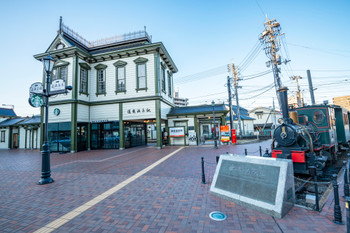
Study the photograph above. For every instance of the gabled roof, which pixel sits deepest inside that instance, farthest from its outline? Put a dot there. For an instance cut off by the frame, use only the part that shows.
(200, 109)
(11, 122)
(5, 112)
(235, 118)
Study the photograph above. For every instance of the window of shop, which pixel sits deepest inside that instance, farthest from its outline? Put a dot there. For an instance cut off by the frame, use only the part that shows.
(105, 135)
(82, 133)
(2, 136)
(135, 134)
(59, 136)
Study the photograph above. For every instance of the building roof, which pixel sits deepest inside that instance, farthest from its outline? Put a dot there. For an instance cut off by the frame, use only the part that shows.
(234, 117)
(11, 122)
(31, 121)
(200, 109)
(5, 112)
(129, 44)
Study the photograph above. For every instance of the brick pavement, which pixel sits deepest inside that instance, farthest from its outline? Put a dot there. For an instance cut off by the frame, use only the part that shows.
(169, 198)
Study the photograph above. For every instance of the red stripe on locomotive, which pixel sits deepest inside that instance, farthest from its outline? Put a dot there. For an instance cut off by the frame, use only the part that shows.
(297, 156)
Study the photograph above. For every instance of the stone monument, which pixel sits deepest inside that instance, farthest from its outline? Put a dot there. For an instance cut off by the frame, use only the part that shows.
(263, 184)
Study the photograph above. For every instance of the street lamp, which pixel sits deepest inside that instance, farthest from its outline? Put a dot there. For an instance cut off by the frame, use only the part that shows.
(48, 63)
(215, 142)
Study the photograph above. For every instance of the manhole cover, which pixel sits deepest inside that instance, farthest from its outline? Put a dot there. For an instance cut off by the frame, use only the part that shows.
(217, 216)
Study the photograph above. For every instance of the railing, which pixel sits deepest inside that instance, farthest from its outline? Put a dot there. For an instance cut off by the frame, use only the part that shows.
(110, 40)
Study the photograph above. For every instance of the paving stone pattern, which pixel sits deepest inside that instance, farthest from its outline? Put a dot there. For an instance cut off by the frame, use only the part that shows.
(169, 198)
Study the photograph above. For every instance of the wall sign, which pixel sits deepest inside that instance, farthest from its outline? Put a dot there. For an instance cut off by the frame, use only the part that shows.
(177, 132)
(56, 112)
(138, 110)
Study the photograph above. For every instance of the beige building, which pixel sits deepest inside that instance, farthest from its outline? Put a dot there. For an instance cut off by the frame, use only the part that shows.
(343, 101)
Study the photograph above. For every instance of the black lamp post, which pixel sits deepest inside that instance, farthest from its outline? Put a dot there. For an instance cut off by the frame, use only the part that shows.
(215, 142)
(48, 63)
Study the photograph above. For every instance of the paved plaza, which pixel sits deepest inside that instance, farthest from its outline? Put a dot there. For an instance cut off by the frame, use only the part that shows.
(141, 189)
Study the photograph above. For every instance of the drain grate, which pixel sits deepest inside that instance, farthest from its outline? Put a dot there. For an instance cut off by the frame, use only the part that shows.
(217, 216)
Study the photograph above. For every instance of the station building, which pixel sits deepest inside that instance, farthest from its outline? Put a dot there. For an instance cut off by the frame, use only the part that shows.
(122, 88)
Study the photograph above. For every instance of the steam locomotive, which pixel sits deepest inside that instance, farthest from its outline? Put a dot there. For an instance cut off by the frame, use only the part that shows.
(311, 135)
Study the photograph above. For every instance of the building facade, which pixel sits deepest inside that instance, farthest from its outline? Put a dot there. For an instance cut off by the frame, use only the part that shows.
(180, 102)
(121, 87)
(265, 119)
(342, 101)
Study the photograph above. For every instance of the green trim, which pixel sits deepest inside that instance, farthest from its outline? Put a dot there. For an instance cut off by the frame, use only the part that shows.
(84, 66)
(120, 63)
(36, 139)
(158, 124)
(100, 67)
(156, 72)
(74, 107)
(121, 128)
(140, 60)
(196, 128)
(105, 102)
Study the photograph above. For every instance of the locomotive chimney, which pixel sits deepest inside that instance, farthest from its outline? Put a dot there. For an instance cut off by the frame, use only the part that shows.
(284, 102)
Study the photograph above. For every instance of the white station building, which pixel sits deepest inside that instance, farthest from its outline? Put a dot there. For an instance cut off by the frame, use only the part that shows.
(122, 91)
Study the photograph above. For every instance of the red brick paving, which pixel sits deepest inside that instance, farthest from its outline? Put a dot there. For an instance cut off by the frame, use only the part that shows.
(169, 198)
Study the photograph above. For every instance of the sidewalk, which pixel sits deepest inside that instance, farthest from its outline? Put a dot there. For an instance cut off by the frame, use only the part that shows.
(168, 198)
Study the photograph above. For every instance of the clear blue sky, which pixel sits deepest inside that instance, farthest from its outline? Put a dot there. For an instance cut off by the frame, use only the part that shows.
(199, 35)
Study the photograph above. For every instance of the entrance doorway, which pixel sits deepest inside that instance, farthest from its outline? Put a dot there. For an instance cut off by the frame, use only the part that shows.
(135, 134)
(105, 135)
(15, 141)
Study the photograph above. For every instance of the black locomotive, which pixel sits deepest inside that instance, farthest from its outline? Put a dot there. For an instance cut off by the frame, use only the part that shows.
(312, 135)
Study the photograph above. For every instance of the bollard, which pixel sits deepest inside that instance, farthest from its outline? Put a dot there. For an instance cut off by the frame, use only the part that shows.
(217, 159)
(337, 210)
(347, 209)
(346, 181)
(260, 150)
(313, 172)
(203, 175)
(245, 152)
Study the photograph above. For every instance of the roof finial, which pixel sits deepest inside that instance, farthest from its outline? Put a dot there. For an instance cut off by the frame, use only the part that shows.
(60, 29)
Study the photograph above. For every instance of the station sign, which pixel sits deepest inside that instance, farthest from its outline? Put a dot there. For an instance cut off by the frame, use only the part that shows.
(177, 132)
(36, 88)
(58, 86)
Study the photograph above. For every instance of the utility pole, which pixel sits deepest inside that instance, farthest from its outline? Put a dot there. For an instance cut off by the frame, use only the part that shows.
(299, 99)
(311, 88)
(272, 45)
(235, 82)
(230, 100)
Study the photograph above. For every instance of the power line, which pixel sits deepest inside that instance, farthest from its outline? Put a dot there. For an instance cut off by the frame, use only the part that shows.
(323, 50)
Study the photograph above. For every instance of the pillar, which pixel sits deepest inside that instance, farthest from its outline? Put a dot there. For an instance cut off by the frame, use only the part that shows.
(159, 125)
(196, 129)
(25, 138)
(74, 107)
(121, 128)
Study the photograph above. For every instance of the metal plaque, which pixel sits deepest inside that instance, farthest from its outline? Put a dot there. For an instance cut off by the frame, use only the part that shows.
(255, 181)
